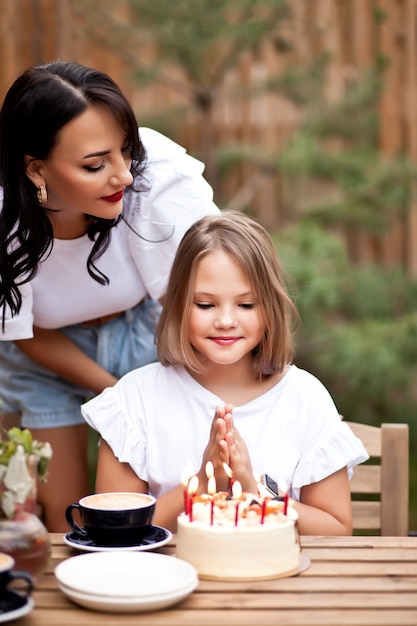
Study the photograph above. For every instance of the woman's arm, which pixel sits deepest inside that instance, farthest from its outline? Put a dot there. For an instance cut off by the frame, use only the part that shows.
(55, 351)
(325, 507)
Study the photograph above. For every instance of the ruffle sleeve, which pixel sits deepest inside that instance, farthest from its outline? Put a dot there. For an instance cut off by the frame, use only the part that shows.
(126, 437)
(339, 448)
(174, 196)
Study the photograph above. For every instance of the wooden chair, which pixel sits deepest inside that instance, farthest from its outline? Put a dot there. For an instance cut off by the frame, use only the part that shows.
(386, 474)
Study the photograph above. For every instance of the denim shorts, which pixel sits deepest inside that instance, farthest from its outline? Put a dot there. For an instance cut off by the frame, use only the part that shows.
(45, 400)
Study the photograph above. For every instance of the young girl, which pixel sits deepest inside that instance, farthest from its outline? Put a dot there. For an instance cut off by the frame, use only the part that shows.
(90, 221)
(225, 349)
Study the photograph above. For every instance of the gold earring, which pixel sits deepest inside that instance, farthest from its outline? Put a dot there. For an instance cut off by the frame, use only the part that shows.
(42, 194)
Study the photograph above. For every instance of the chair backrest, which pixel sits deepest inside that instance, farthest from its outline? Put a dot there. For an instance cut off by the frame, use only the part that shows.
(386, 475)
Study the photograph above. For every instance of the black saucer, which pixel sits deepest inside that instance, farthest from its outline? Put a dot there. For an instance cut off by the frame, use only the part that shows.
(155, 537)
(14, 605)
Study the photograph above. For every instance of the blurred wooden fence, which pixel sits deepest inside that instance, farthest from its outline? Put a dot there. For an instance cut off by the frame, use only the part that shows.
(36, 31)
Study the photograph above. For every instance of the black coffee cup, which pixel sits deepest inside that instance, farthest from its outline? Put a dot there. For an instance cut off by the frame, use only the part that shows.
(113, 519)
(8, 574)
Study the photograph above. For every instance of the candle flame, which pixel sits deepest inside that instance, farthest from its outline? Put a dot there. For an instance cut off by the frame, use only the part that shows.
(209, 469)
(227, 470)
(263, 491)
(193, 485)
(283, 485)
(257, 477)
(211, 486)
(186, 473)
(236, 489)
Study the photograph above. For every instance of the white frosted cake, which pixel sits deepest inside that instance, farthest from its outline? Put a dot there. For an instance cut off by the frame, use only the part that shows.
(256, 541)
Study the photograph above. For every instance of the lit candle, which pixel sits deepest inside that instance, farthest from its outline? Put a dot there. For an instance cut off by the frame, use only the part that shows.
(211, 488)
(285, 488)
(192, 490)
(257, 477)
(264, 495)
(229, 472)
(285, 503)
(185, 477)
(237, 492)
(209, 469)
(263, 510)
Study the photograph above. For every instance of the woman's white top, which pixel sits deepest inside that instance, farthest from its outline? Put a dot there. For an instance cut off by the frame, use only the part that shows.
(158, 420)
(173, 196)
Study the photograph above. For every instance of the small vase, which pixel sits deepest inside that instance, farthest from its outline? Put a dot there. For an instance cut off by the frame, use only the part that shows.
(22, 534)
(26, 539)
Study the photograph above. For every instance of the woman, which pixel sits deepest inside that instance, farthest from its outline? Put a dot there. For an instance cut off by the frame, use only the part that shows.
(92, 215)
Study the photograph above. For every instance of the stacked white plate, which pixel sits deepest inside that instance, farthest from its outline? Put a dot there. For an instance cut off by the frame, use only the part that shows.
(126, 581)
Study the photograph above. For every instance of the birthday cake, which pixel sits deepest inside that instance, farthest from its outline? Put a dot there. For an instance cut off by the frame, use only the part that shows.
(237, 539)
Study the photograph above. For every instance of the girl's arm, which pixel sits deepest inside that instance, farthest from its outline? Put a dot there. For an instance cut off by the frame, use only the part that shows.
(325, 507)
(112, 475)
(55, 351)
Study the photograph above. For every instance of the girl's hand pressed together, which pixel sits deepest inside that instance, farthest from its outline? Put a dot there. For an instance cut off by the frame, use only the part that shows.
(239, 458)
(217, 452)
(226, 445)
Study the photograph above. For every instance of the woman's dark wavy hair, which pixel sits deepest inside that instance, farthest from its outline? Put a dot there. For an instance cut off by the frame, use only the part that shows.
(38, 104)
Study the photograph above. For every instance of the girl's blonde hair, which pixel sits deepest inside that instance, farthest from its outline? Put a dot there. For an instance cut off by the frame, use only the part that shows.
(248, 244)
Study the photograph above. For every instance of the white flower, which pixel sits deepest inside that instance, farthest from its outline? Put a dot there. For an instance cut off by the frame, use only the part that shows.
(17, 478)
(45, 452)
(8, 503)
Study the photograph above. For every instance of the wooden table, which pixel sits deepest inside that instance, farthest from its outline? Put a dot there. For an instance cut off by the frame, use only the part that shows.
(358, 581)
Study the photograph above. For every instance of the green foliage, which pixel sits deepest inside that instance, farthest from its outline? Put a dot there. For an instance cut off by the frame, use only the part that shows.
(16, 438)
(359, 329)
(189, 33)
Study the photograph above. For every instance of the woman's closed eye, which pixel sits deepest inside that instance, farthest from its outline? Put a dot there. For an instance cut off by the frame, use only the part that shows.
(90, 168)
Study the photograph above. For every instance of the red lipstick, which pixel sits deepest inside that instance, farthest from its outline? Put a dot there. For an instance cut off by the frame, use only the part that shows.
(115, 197)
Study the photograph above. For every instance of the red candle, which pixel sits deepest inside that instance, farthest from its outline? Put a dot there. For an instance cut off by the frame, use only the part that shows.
(192, 490)
(263, 510)
(211, 488)
(229, 472)
(237, 514)
(185, 477)
(284, 488)
(237, 492)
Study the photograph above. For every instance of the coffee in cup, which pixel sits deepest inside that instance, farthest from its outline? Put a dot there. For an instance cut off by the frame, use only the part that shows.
(113, 519)
(8, 574)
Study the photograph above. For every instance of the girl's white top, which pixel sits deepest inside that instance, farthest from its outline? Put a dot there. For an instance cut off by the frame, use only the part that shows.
(173, 195)
(158, 420)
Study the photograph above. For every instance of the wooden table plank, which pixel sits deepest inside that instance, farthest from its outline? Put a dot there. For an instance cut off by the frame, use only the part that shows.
(277, 601)
(329, 583)
(237, 617)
